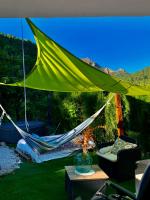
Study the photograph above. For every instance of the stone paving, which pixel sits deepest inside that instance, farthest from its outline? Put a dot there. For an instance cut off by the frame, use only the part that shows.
(9, 160)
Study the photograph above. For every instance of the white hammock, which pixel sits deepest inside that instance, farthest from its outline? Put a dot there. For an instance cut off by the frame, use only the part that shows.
(39, 145)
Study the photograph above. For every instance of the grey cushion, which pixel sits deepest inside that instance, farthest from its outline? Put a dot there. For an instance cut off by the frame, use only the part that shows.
(105, 149)
(108, 156)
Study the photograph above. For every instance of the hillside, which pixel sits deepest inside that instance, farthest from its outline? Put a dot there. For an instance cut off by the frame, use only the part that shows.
(141, 77)
(11, 57)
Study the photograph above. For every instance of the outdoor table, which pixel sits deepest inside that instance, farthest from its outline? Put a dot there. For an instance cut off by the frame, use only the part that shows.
(71, 179)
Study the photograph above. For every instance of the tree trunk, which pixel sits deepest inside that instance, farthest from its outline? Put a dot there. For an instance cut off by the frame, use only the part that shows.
(119, 115)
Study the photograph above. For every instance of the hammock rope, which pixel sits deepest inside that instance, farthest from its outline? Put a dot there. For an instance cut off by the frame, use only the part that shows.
(24, 80)
(1, 117)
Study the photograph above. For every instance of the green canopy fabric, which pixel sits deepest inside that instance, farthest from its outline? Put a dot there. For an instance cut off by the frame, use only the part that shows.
(56, 69)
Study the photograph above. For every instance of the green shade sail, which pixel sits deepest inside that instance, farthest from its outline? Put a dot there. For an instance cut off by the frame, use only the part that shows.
(56, 69)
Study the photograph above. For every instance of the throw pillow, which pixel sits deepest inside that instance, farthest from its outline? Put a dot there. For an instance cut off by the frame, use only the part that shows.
(121, 144)
(118, 145)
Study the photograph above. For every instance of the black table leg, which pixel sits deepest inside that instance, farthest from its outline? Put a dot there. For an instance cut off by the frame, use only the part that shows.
(69, 187)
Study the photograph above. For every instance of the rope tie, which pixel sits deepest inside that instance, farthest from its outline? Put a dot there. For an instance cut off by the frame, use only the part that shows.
(1, 117)
(24, 78)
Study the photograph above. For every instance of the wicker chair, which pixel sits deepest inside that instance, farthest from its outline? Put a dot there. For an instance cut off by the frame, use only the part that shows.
(123, 167)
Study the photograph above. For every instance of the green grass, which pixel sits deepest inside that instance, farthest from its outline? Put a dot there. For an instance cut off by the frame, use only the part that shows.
(36, 181)
(39, 181)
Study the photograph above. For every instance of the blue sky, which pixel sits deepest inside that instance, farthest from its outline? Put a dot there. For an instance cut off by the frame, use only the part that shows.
(115, 42)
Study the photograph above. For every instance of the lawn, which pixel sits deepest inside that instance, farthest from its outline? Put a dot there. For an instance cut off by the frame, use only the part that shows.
(36, 181)
(39, 181)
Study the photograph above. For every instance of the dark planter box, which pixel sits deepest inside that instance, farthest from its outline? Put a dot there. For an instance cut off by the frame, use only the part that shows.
(9, 134)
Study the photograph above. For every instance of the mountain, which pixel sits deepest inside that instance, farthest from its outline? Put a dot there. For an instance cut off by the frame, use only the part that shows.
(119, 72)
(141, 77)
(91, 62)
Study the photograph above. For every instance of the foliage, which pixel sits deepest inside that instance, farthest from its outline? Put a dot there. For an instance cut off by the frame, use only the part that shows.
(11, 58)
(125, 111)
(139, 120)
(110, 120)
(100, 134)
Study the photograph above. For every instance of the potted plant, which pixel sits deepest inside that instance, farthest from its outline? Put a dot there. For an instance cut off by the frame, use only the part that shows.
(83, 160)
